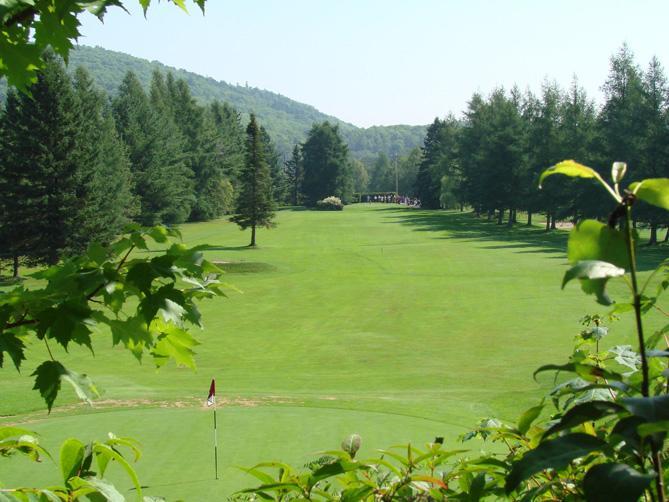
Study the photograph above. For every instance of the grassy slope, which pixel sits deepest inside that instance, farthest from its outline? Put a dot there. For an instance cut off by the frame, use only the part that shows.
(399, 324)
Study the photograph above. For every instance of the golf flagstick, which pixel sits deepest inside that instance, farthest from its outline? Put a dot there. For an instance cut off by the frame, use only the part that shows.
(211, 401)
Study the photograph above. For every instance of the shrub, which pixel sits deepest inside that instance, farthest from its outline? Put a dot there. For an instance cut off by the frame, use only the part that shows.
(331, 203)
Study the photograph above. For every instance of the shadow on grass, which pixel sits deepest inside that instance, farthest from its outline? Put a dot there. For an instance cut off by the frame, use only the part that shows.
(244, 267)
(8, 280)
(292, 208)
(524, 239)
(230, 248)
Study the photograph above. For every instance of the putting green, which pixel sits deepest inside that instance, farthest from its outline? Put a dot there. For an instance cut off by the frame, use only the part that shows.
(178, 460)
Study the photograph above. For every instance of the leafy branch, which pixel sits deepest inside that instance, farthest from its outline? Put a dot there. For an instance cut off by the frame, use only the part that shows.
(146, 305)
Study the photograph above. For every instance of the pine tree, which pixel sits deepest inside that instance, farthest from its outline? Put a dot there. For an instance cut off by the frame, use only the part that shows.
(230, 138)
(162, 179)
(577, 132)
(254, 203)
(655, 140)
(620, 116)
(294, 175)
(439, 159)
(40, 174)
(105, 179)
(276, 168)
(201, 146)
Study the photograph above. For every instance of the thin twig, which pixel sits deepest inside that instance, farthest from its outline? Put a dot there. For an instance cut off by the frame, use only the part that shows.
(48, 349)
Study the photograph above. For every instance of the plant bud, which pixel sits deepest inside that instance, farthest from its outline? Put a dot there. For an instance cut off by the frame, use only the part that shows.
(351, 444)
(618, 171)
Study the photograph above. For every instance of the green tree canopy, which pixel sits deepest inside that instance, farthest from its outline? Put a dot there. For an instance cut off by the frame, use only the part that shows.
(326, 165)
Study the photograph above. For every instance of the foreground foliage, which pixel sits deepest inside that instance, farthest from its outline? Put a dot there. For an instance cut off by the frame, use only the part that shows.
(80, 480)
(30, 26)
(604, 439)
(146, 305)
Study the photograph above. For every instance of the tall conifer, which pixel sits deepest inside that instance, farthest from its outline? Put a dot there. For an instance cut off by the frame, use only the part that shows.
(254, 203)
(40, 173)
(161, 178)
(105, 181)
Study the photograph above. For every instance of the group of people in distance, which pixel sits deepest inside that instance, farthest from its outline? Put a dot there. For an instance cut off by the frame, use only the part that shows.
(392, 199)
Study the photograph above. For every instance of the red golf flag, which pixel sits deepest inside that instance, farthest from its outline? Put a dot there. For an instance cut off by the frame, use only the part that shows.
(211, 398)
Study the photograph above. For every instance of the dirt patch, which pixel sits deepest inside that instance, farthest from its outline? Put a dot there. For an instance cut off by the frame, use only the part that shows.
(103, 405)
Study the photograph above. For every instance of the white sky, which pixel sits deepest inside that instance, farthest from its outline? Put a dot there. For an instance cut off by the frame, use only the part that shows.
(382, 62)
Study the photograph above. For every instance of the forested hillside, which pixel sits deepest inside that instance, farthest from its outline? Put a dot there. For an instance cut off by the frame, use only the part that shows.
(287, 121)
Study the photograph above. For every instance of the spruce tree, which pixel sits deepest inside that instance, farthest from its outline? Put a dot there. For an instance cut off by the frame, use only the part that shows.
(655, 141)
(105, 181)
(200, 147)
(254, 203)
(40, 173)
(162, 179)
(439, 159)
(230, 137)
(294, 175)
(276, 168)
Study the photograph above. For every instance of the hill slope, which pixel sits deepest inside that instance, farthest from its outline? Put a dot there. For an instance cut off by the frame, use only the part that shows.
(286, 120)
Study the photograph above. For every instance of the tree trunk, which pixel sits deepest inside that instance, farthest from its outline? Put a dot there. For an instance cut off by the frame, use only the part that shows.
(500, 217)
(490, 215)
(553, 222)
(253, 236)
(15, 266)
(529, 218)
(512, 217)
(653, 234)
(666, 236)
(548, 221)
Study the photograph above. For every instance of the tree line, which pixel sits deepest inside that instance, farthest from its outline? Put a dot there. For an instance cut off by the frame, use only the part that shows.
(77, 166)
(491, 159)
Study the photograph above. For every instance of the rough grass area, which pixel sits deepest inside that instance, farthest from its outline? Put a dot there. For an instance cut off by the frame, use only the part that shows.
(396, 323)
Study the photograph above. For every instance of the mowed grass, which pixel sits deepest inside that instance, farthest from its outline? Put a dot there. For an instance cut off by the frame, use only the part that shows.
(396, 323)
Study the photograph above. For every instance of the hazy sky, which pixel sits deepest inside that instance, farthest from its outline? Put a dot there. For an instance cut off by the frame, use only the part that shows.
(381, 62)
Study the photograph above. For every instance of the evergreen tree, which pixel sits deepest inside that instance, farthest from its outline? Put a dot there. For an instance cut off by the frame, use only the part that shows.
(655, 142)
(230, 137)
(201, 147)
(254, 203)
(542, 117)
(327, 170)
(105, 181)
(439, 159)
(577, 134)
(161, 178)
(40, 174)
(620, 117)
(294, 174)
(276, 168)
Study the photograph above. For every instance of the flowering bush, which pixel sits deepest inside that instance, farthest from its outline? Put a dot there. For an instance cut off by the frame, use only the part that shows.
(331, 203)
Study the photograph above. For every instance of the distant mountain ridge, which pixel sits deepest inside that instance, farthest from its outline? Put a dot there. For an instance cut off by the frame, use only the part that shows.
(286, 120)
